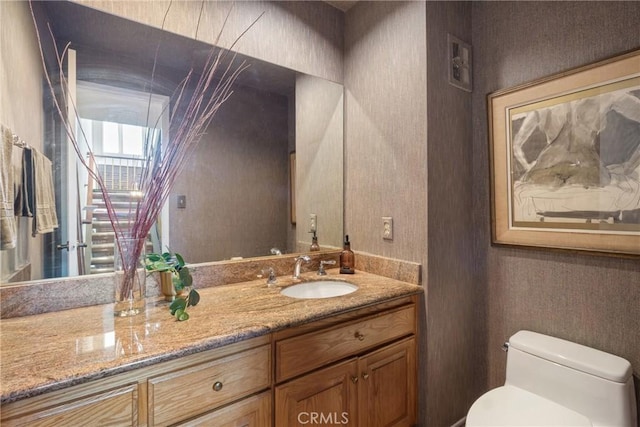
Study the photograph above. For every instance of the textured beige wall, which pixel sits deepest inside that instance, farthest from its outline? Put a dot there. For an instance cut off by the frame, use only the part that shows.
(454, 311)
(21, 97)
(386, 142)
(592, 300)
(236, 183)
(304, 36)
(319, 159)
(386, 128)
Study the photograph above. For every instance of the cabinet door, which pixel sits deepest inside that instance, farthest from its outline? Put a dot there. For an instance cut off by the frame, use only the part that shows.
(324, 397)
(254, 411)
(387, 387)
(117, 407)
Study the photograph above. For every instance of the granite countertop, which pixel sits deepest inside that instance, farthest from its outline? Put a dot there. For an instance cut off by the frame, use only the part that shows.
(50, 351)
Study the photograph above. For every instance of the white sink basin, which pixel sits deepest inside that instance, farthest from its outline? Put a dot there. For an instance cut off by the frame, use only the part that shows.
(319, 289)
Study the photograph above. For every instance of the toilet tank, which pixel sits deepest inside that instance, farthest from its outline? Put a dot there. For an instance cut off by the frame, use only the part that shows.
(596, 384)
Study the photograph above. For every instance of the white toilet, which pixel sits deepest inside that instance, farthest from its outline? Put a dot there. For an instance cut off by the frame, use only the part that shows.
(553, 382)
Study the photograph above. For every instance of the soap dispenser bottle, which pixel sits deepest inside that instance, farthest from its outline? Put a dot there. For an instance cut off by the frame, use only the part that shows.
(314, 243)
(347, 258)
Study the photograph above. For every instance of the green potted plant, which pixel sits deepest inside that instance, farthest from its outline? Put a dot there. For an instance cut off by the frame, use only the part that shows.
(175, 281)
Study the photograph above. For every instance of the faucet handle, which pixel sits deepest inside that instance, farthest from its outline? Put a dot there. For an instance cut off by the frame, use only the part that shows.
(321, 271)
(271, 280)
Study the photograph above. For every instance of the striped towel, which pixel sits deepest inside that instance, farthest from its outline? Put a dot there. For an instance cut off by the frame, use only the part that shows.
(7, 217)
(45, 215)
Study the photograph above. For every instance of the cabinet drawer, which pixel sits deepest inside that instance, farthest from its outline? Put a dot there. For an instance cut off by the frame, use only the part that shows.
(297, 355)
(254, 411)
(111, 408)
(186, 393)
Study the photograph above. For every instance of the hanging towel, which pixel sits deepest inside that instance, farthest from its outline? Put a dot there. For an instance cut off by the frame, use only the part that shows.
(7, 218)
(36, 197)
(45, 218)
(25, 197)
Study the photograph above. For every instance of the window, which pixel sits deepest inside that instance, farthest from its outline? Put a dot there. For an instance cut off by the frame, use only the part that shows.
(118, 138)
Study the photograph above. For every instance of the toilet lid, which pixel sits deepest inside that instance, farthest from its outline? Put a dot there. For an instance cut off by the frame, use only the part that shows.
(513, 406)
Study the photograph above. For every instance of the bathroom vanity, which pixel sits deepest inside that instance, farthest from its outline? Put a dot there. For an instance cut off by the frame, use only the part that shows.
(248, 356)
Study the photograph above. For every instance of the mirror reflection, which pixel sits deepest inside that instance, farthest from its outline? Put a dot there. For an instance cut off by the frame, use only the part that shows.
(271, 159)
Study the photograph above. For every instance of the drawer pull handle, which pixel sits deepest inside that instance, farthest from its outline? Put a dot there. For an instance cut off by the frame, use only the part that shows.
(365, 375)
(354, 379)
(359, 336)
(217, 386)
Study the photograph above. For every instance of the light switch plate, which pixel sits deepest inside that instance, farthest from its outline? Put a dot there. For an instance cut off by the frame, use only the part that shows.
(387, 230)
(313, 222)
(182, 201)
(459, 63)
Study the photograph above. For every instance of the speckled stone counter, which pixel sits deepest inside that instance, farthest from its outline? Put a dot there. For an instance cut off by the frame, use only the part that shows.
(50, 351)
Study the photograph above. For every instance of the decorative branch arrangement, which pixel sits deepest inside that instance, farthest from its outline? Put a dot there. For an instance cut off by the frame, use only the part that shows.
(195, 101)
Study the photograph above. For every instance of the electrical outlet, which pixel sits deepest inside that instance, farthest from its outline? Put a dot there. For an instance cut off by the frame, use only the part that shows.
(387, 228)
(313, 222)
(182, 202)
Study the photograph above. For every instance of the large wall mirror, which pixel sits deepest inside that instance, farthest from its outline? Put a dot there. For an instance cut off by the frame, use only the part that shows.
(271, 158)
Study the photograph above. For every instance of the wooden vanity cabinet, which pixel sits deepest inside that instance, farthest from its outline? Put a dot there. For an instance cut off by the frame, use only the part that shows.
(230, 383)
(358, 372)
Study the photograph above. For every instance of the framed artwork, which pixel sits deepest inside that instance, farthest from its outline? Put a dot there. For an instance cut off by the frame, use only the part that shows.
(565, 159)
(292, 186)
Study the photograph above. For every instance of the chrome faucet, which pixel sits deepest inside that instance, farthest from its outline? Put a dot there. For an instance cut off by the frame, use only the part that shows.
(296, 268)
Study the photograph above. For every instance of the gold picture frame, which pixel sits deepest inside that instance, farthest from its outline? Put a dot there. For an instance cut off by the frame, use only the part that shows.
(292, 187)
(565, 160)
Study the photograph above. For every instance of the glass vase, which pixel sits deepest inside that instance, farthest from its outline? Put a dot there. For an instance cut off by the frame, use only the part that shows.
(129, 277)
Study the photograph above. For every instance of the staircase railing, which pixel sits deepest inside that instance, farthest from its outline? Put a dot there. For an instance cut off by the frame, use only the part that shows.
(120, 174)
(88, 220)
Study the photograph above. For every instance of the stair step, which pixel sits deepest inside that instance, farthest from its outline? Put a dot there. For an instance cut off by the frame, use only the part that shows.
(103, 219)
(101, 226)
(103, 234)
(95, 247)
(118, 204)
(101, 223)
(113, 194)
(110, 245)
(108, 233)
(101, 270)
(102, 259)
(123, 212)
